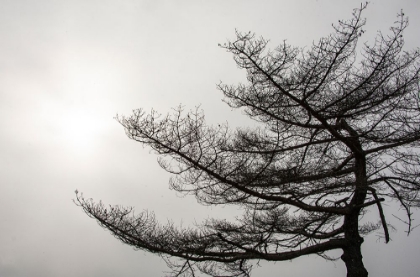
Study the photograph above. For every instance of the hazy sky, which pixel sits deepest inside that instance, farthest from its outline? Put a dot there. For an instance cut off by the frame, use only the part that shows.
(68, 67)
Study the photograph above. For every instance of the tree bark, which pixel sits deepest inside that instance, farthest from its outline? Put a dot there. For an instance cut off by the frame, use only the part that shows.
(353, 259)
(352, 253)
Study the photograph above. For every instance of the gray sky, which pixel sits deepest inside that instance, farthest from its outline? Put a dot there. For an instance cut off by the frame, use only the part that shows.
(68, 67)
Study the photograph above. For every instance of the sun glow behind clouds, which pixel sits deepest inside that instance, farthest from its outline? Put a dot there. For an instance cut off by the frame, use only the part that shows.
(85, 111)
(79, 130)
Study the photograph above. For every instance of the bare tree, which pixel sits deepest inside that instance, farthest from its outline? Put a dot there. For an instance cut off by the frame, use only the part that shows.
(339, 134)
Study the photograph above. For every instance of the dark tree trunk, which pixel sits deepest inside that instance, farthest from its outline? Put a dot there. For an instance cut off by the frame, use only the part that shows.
(352, 253)
(352, 257)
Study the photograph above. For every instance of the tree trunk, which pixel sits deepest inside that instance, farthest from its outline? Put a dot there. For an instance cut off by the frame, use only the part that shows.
(352, 257)
(352, 253)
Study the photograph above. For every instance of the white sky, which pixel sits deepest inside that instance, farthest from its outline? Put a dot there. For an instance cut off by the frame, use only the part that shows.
(68, 67)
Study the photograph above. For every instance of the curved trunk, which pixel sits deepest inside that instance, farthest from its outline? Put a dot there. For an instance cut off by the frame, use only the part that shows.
(352, 254)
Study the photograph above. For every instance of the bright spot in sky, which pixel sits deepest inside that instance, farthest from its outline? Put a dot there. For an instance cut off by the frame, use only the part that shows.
(79, 131)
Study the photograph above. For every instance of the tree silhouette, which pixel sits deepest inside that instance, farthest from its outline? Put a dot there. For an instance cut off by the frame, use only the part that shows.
(339, 134)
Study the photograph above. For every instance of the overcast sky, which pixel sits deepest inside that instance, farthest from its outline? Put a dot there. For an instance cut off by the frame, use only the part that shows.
(68, 67)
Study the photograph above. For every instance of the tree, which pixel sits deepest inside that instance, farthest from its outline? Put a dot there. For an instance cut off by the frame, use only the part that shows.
(338, 134)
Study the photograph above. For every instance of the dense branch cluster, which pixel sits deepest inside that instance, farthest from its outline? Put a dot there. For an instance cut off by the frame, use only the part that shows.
(341, 133)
